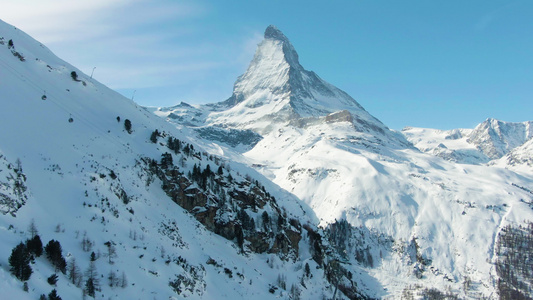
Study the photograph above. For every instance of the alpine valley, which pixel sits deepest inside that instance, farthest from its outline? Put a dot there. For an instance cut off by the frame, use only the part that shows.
(289, 189)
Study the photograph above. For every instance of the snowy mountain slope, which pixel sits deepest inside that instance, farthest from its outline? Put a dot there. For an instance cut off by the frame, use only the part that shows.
(520, 158)
(490, 140)
(415, 220)
(452, 145)
(402, 194)
(87, 168)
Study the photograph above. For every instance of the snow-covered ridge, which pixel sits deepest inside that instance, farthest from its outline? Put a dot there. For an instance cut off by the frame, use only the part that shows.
(425, 221)
(496, 138)
(489, 141)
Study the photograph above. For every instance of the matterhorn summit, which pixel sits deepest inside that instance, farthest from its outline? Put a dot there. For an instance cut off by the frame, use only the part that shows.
(277, 89)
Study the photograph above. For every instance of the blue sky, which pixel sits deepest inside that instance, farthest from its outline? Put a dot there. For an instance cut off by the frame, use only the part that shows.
(436, 64)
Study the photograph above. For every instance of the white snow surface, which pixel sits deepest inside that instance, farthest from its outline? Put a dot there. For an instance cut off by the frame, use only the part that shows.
(454, 211)
(486, 143)
(445, 196)
(71, 194)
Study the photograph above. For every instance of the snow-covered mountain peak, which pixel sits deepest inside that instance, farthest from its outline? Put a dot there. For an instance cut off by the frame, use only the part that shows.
(272, 33)
(493, 141)
(495, 138)
(268, 71)
(276, 91)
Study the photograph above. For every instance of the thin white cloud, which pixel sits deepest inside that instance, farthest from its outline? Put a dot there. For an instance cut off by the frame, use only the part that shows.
(136, 44)
(146, 75)
(112, 36)
(250, 45)
(55, 20)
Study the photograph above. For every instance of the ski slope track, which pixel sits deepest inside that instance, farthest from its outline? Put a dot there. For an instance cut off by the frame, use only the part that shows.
(425, 207)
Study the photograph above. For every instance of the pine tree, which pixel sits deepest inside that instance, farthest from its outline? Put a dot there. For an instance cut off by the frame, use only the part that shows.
(52, 280)
(166, 160)
(111, 251)
(307, 270)
(35, 245)
(123, 280)
(32, 229)
(54, 254)
(90, 289)
(153, 136)
(19, 188)
(187, 150)
(127, 125)
(73, 272)
(240, 237)
(53, 295)
(112, 278)
(294, 292)
(19, 260)
(266, 221)
(92, 283)
(281, 222)
(86, 243)
(174, 144)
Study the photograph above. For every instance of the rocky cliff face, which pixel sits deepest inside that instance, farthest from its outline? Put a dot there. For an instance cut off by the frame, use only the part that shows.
(496, 138)
(239, 210)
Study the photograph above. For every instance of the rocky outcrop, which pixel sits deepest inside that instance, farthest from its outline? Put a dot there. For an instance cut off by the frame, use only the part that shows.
(340, 116)
(13, 190)
(229, 216)
(496, 138)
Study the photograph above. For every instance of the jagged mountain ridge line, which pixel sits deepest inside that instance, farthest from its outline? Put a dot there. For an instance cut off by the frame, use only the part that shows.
(493, 141)
(334, 160)
(276, 87)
